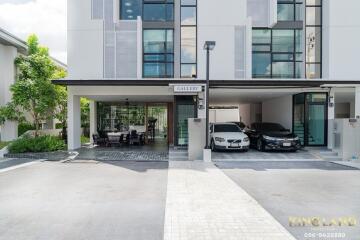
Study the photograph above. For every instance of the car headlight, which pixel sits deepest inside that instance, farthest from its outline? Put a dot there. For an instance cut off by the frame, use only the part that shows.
(269, 138)
(219, 139)
(296, 138)
(246, 139)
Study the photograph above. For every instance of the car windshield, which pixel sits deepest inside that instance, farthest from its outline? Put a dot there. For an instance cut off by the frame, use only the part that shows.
(271, 127)
(226, 128)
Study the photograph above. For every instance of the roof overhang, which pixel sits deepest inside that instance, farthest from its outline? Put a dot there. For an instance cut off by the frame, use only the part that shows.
(8, 39)
(246, 83)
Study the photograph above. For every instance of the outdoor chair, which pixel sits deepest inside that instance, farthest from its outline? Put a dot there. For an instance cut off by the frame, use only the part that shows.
(98, 140)
(134, 137)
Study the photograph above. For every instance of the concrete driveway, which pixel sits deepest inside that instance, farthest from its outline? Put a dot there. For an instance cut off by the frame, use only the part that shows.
(302, 189)
(112, 200)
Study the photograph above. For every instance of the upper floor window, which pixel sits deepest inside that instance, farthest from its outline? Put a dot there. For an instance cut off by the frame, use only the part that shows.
(290, 10)
(158, 53)
(277, 53)
(130, 9)
(158, 10)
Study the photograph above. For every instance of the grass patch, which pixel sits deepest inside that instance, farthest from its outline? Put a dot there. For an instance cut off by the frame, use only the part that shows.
(85, 140)
(39, 144)
(3, 144)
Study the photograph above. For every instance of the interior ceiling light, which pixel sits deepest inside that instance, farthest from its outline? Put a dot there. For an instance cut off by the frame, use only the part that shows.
(127, 4)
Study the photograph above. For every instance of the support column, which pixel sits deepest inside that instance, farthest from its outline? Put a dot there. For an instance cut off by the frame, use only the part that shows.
(331, 118)
(9, 131)
(357, 102)
(93, 120)
(74, 122)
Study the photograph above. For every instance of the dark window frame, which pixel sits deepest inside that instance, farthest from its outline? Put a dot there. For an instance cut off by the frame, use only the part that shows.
(196, 37)
(164, 54)
(272, 53)
(159, 2)
(307, 26)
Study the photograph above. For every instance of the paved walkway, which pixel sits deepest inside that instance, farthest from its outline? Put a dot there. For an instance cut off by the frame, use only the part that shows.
(204, 204)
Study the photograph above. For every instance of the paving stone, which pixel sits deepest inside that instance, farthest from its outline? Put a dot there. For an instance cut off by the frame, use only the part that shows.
(203, 203)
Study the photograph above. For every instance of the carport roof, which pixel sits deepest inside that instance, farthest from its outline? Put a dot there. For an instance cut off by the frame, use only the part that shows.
(213, 83)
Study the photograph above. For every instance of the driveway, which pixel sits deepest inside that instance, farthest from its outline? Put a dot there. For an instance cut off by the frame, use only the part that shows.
(302, 189)
(112, 200)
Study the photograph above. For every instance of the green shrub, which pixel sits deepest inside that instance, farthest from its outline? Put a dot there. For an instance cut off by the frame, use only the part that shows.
(84, 140)
(24, 127)
(38, 144)
(3, 144)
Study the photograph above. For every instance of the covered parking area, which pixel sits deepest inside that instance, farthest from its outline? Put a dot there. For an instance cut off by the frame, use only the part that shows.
(307, 108)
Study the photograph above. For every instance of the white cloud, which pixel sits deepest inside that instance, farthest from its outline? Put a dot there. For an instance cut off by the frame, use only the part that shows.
(45, 18)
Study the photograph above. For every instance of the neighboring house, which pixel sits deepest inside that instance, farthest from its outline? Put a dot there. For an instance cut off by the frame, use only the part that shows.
(10, 48)
(292, 62)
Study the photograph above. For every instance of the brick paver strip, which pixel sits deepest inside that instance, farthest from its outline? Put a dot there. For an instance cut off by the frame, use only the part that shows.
(204, 204)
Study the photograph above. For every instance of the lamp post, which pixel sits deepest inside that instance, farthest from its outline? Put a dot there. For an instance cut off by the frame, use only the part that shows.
(208, 46)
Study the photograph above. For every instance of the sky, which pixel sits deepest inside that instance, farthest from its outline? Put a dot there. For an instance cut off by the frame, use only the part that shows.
(45, 18)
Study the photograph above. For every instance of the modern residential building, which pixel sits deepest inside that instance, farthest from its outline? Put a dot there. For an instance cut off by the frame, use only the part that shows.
(10, 48)
(294, 62)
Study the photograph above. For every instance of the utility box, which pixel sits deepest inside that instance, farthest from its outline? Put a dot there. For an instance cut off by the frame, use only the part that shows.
(346, 139)
(197, 138)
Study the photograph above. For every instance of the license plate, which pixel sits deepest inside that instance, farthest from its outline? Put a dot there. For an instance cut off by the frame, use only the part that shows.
(287, 144)
(234, 145)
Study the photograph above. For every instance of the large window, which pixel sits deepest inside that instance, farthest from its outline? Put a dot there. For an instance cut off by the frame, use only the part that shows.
(277, 53)
(130, 9)
(188, 38)
(119, 116)
(290, 10)
(313, 38)
(158, 53)
(158, 10)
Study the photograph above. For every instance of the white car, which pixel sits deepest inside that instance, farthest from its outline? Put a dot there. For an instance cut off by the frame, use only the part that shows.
(228, 136)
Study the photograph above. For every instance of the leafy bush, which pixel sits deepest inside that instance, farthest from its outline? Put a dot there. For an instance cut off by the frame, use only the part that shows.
(37, 144)
(3, 144)
(24, 127)
(84, 140)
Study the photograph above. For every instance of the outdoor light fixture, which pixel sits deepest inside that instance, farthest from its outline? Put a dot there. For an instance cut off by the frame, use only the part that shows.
(208, 46)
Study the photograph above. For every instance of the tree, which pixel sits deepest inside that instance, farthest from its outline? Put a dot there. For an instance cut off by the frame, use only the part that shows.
(61, 98)
(33, 91)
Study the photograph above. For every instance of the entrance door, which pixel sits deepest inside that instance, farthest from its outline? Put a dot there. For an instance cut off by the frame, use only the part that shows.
(185, 108)
(310, 118)
(316, 127)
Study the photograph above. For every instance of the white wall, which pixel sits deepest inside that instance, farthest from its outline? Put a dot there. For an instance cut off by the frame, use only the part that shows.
(341, 38)
(224, 115)
(7, 78)
(85, 42)
(217, 23)
(278, 110)
(262, 12)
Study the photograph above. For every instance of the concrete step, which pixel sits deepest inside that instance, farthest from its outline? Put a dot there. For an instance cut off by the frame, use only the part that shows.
(332, 158)
(328, 153)
(182, 158)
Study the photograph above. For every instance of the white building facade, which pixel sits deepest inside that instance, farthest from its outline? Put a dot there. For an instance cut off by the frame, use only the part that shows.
(287, 61)
(10, 48)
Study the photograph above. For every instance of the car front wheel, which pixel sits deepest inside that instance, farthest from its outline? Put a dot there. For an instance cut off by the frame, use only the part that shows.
(212, 145)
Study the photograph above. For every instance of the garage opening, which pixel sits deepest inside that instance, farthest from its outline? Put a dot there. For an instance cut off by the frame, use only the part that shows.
(303, 113)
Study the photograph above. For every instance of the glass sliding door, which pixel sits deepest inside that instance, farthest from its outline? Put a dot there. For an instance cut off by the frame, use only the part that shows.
(299, 117)
(316, 124)
(310, 118)
(185, 109)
